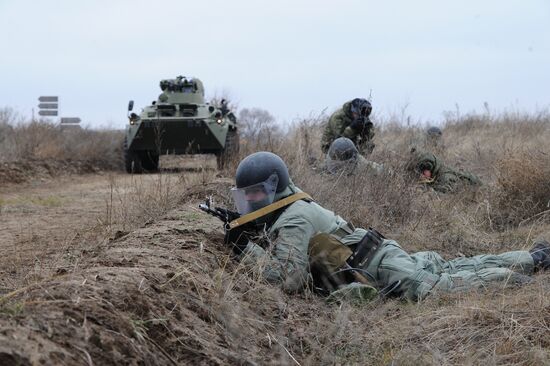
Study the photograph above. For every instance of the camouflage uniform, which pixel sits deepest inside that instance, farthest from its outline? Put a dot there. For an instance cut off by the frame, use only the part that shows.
(359, 165)
(443, 178)
(285, 261)
(339, 126)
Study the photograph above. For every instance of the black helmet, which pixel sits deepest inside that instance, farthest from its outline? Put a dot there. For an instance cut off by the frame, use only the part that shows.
(361, 106)
(259, 177)
(434, 131)
(342, 149)
(258, 167)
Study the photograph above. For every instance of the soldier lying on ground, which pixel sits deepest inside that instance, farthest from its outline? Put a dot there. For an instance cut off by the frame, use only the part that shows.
(305, 240)
(351, 121)
(432, 172)
(344, 158)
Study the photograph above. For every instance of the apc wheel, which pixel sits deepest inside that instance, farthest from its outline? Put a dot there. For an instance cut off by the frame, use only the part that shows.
(230, 151)
(150, 161)
(132, 162)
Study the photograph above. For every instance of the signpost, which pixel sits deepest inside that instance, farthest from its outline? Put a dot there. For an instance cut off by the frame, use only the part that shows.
(48, 105)
(70, 120)
(47, 112)
(48, 99)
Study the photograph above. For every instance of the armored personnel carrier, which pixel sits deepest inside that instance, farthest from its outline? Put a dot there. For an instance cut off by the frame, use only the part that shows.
(179, 122)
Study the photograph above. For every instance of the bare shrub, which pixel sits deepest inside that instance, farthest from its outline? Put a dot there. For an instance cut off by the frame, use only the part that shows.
(257, 129)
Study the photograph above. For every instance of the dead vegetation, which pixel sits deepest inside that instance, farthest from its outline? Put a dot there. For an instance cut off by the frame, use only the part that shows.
(37, 149)
(169, 293)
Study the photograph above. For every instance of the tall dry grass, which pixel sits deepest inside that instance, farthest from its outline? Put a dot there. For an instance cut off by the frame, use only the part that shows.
(21, 139)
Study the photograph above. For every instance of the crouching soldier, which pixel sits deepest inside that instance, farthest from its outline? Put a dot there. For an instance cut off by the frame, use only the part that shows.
(344, 158)
(351, 121)
(305, 239)
(431, 171)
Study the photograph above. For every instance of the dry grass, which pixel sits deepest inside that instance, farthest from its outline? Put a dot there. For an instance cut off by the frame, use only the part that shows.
(170, 293)
(22, 140)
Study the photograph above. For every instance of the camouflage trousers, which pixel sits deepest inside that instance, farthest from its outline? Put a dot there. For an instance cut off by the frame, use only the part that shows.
(424, 273)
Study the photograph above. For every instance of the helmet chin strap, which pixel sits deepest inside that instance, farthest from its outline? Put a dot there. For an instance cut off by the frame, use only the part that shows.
(268, 209)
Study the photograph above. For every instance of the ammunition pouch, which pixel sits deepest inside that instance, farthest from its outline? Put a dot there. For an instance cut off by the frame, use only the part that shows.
(364, 251)
(327, 256)
(333, 264)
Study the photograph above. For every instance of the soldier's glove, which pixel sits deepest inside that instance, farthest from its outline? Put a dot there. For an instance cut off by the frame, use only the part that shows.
(237, 239)
(229, 215)
(359, 124)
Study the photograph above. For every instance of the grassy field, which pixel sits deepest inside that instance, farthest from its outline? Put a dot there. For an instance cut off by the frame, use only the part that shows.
(165, 290)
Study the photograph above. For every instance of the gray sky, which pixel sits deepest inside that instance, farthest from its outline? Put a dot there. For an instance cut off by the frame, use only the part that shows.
(292, 58)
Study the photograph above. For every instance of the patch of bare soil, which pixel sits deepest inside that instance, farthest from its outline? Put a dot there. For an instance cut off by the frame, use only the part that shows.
(44, 223)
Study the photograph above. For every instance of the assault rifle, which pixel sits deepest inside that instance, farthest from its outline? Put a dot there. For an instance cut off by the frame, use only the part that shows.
(225, 215)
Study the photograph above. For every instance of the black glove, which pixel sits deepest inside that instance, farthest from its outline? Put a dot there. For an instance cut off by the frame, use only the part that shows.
(237, 239)
(358, 124)
(363, 126)
(229, 215)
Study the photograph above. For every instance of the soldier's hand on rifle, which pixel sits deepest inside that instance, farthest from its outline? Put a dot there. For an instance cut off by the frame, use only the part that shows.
(236, 238)
(358, 123)
(229, 215)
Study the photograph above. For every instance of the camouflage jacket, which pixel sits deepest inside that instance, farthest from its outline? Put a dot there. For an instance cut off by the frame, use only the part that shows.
(284, 260)
(444, 178)
(339, 126)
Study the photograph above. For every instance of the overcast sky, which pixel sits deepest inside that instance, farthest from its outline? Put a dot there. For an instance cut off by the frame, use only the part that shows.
(292, 58)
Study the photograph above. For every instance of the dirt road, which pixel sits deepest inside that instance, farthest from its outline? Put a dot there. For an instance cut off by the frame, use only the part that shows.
(45, 225)
(48, 222)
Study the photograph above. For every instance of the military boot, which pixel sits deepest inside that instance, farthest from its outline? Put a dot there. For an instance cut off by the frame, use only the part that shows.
(541, 255)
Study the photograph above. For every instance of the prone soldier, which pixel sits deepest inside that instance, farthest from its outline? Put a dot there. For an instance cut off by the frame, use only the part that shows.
(306, 240)
(433, 172)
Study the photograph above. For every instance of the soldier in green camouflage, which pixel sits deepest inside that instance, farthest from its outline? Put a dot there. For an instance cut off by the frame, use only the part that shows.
(433, 172)
(305, 240)
(351, 121)
(344, 158)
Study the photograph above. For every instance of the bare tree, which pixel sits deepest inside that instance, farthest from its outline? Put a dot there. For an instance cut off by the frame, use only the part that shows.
(259, 128)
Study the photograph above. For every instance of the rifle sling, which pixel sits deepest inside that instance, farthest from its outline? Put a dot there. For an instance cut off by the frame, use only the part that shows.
(268, 209)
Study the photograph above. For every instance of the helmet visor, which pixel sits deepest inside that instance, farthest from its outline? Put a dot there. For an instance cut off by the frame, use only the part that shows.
(256, 196)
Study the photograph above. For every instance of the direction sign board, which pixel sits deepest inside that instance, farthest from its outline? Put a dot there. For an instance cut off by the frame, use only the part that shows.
(70, 120)
(46, 112)
(48, 105)
(48, 99)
